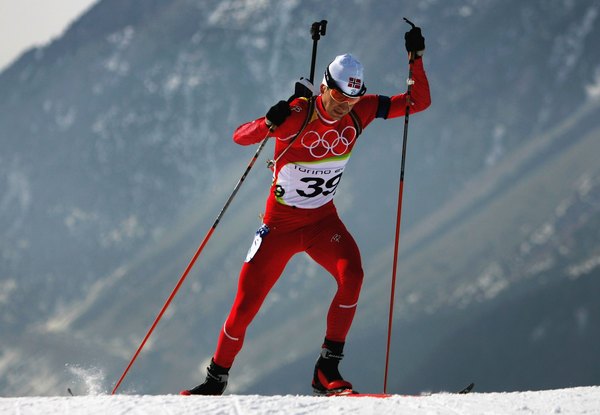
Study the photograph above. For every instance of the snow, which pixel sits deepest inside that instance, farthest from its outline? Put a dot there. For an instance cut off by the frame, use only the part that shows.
(581, 400)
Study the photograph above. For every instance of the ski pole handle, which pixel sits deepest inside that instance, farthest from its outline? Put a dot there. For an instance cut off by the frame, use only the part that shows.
(412, 25)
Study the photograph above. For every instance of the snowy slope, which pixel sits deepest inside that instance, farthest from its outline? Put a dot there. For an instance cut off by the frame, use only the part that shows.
(583, 400)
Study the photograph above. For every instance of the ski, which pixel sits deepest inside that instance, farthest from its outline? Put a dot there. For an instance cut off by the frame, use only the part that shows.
(466, 390)
(354, 394)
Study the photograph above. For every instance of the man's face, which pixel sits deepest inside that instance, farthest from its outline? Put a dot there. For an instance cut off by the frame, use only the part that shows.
(336, 108)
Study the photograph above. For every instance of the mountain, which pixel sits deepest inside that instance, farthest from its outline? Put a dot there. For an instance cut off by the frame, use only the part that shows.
(117, 157)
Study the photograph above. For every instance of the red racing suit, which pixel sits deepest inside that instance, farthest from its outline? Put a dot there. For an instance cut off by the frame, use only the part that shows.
(300, 215)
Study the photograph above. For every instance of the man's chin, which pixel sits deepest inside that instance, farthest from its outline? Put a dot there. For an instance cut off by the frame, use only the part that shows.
(338, 115)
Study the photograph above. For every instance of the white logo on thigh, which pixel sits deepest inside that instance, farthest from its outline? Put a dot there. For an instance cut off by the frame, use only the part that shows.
(336, 238)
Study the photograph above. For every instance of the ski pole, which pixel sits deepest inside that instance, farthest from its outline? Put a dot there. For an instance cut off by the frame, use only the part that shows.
(191, 264)
(399, 214)
(317, 29)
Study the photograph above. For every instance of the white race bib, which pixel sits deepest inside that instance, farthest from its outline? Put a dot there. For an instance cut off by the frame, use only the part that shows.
(310, 185)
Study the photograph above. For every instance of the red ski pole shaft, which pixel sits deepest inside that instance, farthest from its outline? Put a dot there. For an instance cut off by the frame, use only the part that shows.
(398, 223)
(318, 29)
(191, 264)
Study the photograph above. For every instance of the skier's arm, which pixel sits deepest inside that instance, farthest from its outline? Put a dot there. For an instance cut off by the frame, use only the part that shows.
(251, 133)
(381, 106)
(420, 97)
(255, 131)
(419, 93)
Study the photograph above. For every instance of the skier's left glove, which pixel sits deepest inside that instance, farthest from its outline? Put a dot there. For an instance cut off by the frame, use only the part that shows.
(414, 41)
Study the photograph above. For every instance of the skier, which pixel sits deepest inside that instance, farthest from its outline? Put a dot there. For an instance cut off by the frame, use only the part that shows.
(300, 215)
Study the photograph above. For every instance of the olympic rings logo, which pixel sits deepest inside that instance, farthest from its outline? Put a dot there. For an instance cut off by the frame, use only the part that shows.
(331, 142)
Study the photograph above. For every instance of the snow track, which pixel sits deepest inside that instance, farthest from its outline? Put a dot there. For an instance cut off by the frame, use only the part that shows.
(582, 400)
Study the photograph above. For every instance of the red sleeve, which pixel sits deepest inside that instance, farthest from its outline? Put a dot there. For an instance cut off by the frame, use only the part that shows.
(251, 133)
(255, 131)
(420, 98)
(369, 106)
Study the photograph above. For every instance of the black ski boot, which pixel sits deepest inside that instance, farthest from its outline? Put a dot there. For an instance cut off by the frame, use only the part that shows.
(327, 379)
(215, 383)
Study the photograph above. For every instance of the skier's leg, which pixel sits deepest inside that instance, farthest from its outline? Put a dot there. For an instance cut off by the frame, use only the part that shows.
(335, 249)
(257, 277)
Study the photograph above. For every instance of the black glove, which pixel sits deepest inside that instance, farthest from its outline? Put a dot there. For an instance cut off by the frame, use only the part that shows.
(414, 41)
(278, 113)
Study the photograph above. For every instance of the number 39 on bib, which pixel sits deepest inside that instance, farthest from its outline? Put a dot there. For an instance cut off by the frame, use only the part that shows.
(309, 185)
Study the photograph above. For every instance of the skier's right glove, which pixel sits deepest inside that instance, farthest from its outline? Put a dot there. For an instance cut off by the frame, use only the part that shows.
(277, 114)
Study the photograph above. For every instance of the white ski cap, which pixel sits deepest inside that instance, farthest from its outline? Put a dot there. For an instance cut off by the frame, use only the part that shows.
(345, 74)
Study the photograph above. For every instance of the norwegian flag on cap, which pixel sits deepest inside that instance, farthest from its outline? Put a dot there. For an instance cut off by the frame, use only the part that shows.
(355, 83)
